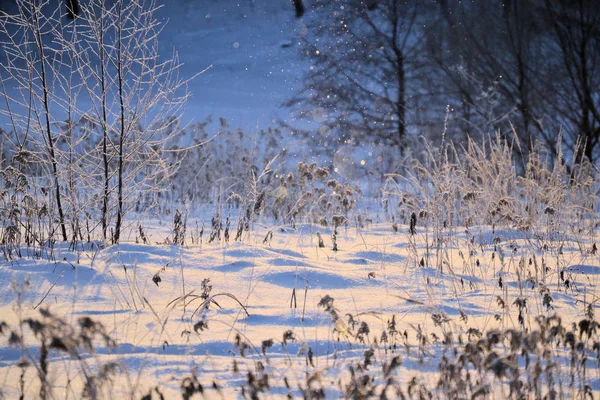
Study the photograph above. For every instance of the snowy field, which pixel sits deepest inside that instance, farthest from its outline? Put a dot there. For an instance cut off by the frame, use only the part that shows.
(296, 315)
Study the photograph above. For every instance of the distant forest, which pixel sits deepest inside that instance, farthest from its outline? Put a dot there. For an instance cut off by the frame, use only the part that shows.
(388, 71)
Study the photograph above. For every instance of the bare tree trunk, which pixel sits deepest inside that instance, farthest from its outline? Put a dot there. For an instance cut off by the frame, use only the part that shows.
(72, 9)
(50, 139)
(587, 108)
(105, 198)
(118, 224)
(401, 102)
(299, 6)
(401, 73)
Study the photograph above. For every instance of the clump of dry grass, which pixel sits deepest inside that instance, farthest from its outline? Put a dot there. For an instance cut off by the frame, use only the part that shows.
(52, 334)
(523, 363)
(481, 184)
(307, 194)
(26, 226)
(179, 228)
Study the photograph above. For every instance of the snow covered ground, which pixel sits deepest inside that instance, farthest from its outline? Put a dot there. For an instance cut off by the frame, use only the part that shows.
(250, 48)
(467, 285)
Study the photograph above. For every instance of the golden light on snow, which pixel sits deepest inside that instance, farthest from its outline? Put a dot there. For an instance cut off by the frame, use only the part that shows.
(362, 162)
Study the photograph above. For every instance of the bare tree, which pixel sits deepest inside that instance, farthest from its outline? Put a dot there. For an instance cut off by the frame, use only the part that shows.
(526, 69)
(365, 69)
(149, 93)
(575, 42)
(28, 63)
(98, 100)
(490, 56)
(538, 60)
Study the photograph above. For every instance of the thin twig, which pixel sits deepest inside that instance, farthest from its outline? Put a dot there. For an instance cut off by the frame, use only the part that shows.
(48, 292)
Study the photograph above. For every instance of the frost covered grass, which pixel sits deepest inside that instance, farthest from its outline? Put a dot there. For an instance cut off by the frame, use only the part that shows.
(468, 277)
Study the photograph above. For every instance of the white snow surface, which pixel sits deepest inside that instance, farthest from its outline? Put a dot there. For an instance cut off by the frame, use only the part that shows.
(375, 274)
(250, 48)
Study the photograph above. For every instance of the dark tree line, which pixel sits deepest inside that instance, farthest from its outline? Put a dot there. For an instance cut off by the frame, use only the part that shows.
(387, 71)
